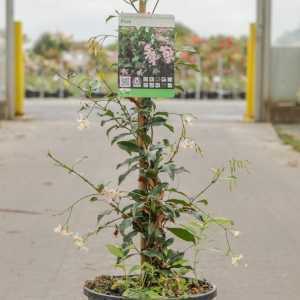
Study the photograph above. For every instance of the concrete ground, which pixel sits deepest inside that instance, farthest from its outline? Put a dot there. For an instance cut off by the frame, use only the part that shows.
(36, 264)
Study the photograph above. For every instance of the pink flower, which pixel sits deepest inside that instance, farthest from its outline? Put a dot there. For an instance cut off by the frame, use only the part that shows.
(151, 55)
(167, 53)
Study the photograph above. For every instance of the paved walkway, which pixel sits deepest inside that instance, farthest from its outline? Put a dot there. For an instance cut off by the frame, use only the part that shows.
(35, 264)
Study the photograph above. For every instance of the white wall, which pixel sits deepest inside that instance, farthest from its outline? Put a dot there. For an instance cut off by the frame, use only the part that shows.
(285, 73)
(285, 22)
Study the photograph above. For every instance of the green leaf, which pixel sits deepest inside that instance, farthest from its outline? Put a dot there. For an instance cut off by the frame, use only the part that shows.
(203, 201)
(123, 176)
(162, 113)
(121, 267)
(94, 199)
(158, 121)
(100, 188)
(198, 216)
(173, 190)
(128, 162)
(189, 49)
(152, 253)
(129, 146)
(141, 294)
(166, 142)
(183, 234)
(188, 65)
(109, 113)
(134, 269)
(222, 221)
(179, 202)
(170, 127)
(158, 189)
(104, 122)
(115, 251)
(109, 18)
(116, 138)
(102, 215)
(128, 238)
(108, 131)
(180, 88)
(172, 170)
(137, 195)
(126, 223)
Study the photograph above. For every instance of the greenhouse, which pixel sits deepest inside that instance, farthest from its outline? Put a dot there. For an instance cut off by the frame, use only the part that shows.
(271, 85)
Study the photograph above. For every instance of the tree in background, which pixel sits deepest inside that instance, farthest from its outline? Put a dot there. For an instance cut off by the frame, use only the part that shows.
(52, 46)
(221, 58)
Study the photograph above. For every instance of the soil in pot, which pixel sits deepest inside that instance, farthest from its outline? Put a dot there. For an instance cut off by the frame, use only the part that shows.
(113, 286)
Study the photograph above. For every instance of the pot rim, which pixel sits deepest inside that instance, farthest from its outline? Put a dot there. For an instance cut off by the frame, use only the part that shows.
(212, 292)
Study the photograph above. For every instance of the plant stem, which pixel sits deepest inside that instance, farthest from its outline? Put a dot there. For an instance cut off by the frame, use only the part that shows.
(142, 183)
(155, 7)
(72, 171)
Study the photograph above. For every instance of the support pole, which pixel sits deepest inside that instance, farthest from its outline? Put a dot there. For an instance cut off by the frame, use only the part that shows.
(142, 7)
(263, 58)
(10, 62)
(19, 69)
(140, 141)
(199, 78)
(220, 77)
(267, 60)
(251, 62)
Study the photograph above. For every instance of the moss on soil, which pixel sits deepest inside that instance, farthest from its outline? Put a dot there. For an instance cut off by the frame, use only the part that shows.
(114, 286)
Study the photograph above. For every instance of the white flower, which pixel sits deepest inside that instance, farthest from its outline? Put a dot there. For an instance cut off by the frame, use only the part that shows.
(188, 144)
(62, 230)
(236, 233)
(66, 232)
(188, 120)
(139, 73)
(235, 260)
(58, 229)
(124, 72)
(79, 242)
(83, 123)
(56, 77)
(111, 194)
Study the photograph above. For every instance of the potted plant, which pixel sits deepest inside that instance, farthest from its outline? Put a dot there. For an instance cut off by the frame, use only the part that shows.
(147, 218)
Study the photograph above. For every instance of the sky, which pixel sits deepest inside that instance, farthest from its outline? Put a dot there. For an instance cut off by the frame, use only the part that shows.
(86, 18)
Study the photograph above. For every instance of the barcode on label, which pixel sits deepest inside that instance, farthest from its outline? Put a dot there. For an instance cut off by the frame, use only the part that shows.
(125, 81)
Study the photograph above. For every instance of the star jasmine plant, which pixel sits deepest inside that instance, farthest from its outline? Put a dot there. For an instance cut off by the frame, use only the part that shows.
(149, 217)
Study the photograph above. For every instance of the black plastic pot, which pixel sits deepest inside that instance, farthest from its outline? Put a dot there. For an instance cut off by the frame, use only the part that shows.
(92, 295)
(32, 94)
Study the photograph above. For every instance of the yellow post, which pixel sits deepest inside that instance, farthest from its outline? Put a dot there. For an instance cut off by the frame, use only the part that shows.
(19, 70)
(251, 71)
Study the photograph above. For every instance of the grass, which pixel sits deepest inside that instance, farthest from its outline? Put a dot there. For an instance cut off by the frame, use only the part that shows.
(288, 139)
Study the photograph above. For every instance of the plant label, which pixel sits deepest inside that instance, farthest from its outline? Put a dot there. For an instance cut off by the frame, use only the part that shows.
(146, 65)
